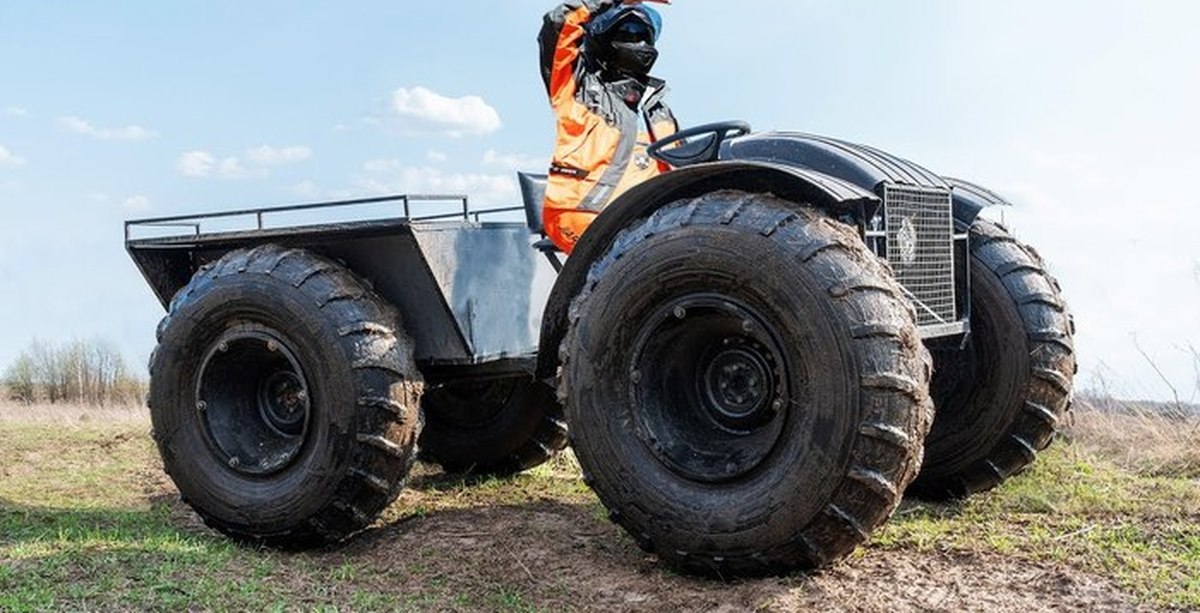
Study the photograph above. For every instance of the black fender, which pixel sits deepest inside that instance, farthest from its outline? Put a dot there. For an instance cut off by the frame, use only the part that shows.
(864, 166)
(969, 200)
(803, 186)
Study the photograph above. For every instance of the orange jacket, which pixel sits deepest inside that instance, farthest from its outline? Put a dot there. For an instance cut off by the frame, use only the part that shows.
(600, 150)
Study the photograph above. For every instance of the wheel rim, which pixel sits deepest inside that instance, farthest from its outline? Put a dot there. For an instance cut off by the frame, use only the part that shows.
(708, 394)
(254, 402)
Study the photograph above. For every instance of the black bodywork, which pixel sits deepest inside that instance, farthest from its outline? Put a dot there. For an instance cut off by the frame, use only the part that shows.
(471, 291)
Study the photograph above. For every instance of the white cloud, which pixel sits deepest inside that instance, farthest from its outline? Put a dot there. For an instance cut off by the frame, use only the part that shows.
(127, 133)
(232, 168)
(196, 164)
(16, 111)
(257, 162)
(436, 156)
(395, 177)
(272, 156)
(420, 109)
(306, 189)
(137, 203)
(8, 158)
(513, 161)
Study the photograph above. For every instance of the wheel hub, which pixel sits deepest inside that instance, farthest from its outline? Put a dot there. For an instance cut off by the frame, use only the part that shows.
(737, 385)
(284, 403)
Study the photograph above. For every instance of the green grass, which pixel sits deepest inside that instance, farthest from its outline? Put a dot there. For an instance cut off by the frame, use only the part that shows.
(1078, 509)
(85, 524)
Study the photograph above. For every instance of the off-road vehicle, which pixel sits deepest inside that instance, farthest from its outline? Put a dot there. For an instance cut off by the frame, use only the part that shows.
(746, 353)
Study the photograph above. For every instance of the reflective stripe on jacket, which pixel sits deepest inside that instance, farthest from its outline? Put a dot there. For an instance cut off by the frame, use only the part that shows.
(600, 150)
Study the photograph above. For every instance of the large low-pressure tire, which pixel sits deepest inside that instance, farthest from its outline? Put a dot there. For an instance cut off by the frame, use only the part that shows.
(284, 398)
(1001, 397)
(745, 385)
(493, 427)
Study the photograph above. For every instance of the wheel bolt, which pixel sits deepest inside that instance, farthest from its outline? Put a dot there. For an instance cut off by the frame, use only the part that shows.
(777, 405)
(680, 312)
(272, 346)
(747, 325)
(201, 406)
(636, 376)
(223, 347)
(234, 462)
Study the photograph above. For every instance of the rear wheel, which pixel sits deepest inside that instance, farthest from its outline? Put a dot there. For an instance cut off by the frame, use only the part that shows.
(746, 389)
(1001, 398)
(492, 427)
(284, 398)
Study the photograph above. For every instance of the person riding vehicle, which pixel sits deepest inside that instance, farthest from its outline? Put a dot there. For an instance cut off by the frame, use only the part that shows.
(596, 57)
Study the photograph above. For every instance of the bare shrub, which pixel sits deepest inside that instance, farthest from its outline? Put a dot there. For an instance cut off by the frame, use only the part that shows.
(1158, 439)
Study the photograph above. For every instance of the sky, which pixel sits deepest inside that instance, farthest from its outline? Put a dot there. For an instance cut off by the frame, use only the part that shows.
(1081, 112)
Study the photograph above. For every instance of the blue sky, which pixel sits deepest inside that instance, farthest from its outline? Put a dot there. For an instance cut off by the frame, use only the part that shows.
(1082, 112)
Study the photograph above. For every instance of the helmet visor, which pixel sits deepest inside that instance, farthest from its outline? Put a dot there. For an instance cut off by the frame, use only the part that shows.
(606, 23)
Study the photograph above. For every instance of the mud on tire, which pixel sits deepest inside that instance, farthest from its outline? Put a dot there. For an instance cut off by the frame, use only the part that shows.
(284, 398)
(493, 427)
(745, 385)
(1000, 399)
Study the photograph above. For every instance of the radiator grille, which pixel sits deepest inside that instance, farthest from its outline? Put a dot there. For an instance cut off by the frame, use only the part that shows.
(920, 248)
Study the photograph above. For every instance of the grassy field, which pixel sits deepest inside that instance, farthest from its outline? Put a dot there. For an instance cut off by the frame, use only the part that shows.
(88, 521)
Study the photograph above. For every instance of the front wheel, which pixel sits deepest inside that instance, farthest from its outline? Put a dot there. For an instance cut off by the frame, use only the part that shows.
(745, 385)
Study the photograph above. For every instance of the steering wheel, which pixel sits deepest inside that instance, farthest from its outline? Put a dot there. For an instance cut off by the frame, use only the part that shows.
(683, 148)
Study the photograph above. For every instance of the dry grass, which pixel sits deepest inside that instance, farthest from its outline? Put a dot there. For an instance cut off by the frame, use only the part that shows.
(65, 414)
(1141, 439)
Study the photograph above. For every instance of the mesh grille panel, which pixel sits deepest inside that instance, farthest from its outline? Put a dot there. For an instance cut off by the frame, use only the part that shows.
(920, 247)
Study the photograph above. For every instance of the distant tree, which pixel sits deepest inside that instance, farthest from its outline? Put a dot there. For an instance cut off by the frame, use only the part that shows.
(20, 380)
(88, 372)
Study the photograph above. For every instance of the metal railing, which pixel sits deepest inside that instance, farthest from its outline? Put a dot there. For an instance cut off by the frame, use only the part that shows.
(196, 222)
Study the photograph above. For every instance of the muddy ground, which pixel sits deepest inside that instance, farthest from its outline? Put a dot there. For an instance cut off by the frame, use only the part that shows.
(564, 555)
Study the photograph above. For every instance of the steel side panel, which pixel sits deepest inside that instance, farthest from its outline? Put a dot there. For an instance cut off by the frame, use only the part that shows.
(494, 282)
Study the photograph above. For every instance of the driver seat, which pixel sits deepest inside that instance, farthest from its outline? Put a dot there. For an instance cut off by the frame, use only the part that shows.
(533, 192)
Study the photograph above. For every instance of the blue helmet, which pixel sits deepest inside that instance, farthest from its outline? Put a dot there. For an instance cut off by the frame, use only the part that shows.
(627, 19)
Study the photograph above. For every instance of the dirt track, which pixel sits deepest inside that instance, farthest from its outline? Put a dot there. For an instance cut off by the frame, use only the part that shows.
(566, 558)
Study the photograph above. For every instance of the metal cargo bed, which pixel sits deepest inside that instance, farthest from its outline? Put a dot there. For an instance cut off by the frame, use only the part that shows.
(468, 285)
